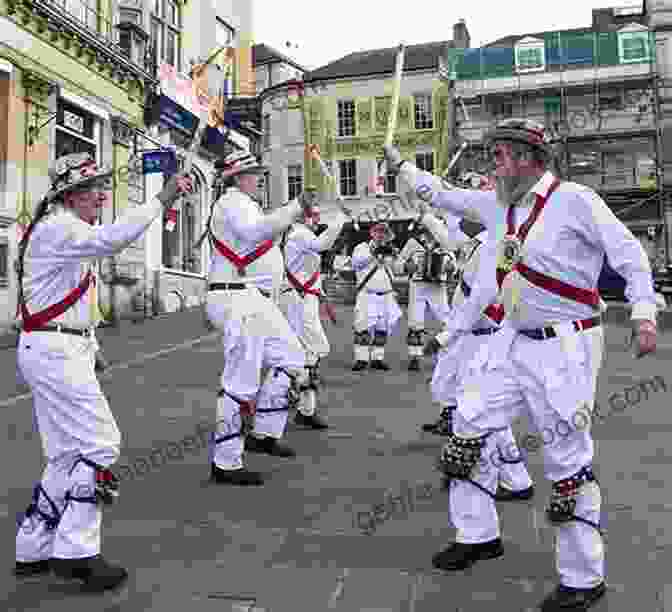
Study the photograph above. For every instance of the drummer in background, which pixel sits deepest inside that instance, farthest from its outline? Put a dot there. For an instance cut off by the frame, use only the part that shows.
(428, 260)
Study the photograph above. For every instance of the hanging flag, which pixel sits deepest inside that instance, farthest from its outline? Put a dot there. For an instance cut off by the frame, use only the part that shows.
(294, 91)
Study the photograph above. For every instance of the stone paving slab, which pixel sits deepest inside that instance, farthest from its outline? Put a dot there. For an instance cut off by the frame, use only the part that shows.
(194, 546)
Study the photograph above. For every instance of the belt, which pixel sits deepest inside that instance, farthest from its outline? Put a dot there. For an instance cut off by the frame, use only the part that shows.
(235, 287)
(379, 292)
(549, 332)
(87, 332)
(486, 331)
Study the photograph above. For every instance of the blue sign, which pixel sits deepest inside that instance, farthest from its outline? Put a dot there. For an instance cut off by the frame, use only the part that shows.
(161, 160)
(172, 115)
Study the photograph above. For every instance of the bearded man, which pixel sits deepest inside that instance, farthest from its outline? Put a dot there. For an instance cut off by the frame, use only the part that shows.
(552, 237)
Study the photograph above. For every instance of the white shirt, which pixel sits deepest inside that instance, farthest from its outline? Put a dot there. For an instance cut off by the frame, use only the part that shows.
(62, 249)
(303, 249)
(568, 242)
(363, 261)
(479, 275)
(240, 223)
(449, 237)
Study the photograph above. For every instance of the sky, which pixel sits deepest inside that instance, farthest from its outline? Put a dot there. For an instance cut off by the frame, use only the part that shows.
(322, 32)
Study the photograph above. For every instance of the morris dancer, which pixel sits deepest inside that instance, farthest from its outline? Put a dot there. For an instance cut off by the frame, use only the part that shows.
(60, 530)
(423, 293)
(245, 268)
(376, 309)
(300, 302)
(467, 328)
(546, 356)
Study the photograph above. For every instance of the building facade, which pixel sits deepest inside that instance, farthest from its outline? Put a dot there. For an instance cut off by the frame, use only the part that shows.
(344, 110)
(79, 75)
(599, 90)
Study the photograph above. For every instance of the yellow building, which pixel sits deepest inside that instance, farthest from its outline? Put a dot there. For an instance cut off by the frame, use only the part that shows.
(79, 75)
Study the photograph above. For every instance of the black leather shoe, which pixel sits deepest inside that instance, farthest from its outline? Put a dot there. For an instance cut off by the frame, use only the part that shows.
(269, 446)
(377, 364)
(414, 365)
(23, 569)
(566, 598)
(508, 495)
(313, 421)
(240, 477)
(359, 366)
(96, 573)
(462, 556)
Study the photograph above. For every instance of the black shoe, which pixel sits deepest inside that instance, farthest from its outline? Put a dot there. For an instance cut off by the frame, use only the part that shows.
(508, 495)
(101, 363)
(268, 445)
(461, 556)
(414, 365)
(96, 573)
(241, 477)
(431, 427)
(313, 421)
(443, 426)
(566, 598)
(23, 569)
(359, 366)
(378, 364)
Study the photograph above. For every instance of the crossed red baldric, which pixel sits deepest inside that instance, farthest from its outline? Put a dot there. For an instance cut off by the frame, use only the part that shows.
(241, 262)
(589, 297)
(304, 288)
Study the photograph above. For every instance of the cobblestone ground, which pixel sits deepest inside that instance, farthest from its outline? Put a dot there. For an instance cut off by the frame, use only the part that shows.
(307, 539)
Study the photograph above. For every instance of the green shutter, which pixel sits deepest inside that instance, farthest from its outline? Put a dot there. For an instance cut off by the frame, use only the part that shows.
(552, 104)
(469, 66)
(554, 54)
(607, 49)
(497, 62)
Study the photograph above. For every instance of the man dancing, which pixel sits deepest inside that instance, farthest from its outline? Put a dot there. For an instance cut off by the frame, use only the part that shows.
(376, 309)
(300, 302)
(423, 292)
(552, 237)
(60, 530)
(245, 268)
(467, 329)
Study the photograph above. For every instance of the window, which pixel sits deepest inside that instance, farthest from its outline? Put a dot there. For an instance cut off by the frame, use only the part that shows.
(502, 110)
(633, 47)
(425, 161)
(85, 11)
(529, 56)
(611, 102)
(178, 246)
(77, 131)
(4, 267)
(294, 181)
(165, 32)
(267, 131)
(423, 112)
(390, 184)
(348, 177)
(346, 118)
(224, 33)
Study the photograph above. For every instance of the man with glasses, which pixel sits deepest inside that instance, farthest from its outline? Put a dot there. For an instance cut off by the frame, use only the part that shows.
(551, 239)
(60, 530)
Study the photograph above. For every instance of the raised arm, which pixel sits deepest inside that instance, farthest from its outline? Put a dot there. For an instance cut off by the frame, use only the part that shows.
(449, 235)
(317, 244)
(361, 257)
(64, 241)
(479, 206)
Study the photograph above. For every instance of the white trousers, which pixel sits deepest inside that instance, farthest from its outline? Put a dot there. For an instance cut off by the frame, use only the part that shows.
(421, 297)
(374, 313)
(74, 420)
(554, 386)
(303, 316)
(255, 336)
(451, 367)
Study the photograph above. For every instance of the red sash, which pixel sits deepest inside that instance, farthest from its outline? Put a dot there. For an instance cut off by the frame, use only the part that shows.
(589, 297)
(242, 262)
(307, 288)
(39, 319)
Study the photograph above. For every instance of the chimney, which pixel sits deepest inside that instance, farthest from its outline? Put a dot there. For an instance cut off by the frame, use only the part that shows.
(603, 20)
(461, 36)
